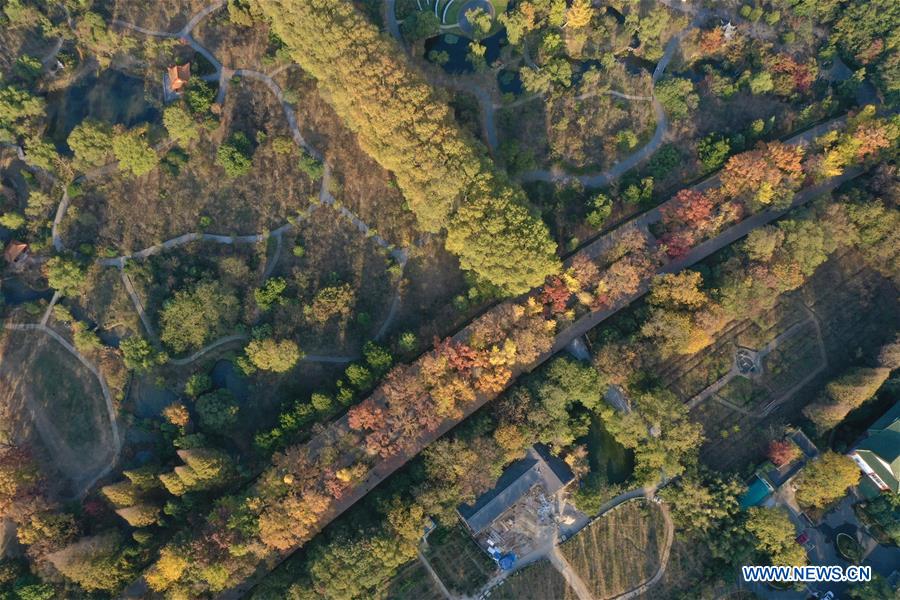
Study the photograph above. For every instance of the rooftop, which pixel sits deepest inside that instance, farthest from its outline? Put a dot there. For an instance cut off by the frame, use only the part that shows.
(539, 467)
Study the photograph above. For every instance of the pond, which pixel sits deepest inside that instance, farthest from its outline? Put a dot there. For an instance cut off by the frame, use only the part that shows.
(457, 48)
(112, 97)
(225, 375)
(15, 292)
(510, 82)
(608, 456)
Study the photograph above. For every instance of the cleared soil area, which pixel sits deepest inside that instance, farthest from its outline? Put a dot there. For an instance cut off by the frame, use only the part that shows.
(57, 403)
(620, 550)
(540, 581)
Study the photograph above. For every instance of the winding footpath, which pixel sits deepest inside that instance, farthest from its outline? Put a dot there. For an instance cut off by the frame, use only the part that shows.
(557, 174)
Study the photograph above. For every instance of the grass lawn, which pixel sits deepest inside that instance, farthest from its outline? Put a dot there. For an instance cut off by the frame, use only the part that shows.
(539, 581)
(618, 551)
(412, 581)
(461, 565)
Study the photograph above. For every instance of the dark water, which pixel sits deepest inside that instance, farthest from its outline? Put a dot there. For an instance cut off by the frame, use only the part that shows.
(510, 82)
(225, 375)
(15, 292)
(608, 456)
(457, 47)
(112, 97)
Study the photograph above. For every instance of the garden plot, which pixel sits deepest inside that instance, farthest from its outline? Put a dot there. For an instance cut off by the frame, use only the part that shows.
(458, 561)
(412, 581)
(620, 550)
(539, 581)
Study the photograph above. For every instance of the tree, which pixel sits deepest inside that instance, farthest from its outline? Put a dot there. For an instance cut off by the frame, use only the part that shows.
(601, 210)
(775, 536)
(664, 438)
(199, 96)
(235, 155)
(271, 355)
(481, 22)
(217, 411)
(192, 317)
(139, 355)
(497, 238)
(845, 394)
(826, 479)
(97, 563)
(19, 111)
(197, 384)
(702, 504)
(177, 414)
(677, 96)
(91, 142)
(12, 220)
(270, 293)
(782, 452)
(877, 589)
(420, 25)
(180, 125)
(404, 124)
(134, 154)
(579, 14)
(65, 275)
(713, 151)
(330, 302)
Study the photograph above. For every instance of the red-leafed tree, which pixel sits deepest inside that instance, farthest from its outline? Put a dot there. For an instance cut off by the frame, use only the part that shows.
(678, 243)
(555, 294)
(689, 209)
(781, 452)
(366, 415)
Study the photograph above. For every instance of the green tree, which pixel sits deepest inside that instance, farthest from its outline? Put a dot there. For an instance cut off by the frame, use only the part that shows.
(91, 142)
(876, 589)
(271, 355)
(331, 301)
(235, 155)
(65, 275)
(19, 112)
(420, 25)
(197, 384)
(713, 151)
(139, 355)
(601, 209)
(192, 317)
(180, 125)
(825, 480)
(775, 536)
(12, 220)
(199, 96)
(677, 96)
(481, 22)
(134, 154)
(217, 411)
(270, 294)
(98, 563)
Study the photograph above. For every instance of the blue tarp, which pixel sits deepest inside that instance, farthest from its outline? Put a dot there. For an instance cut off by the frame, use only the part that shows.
(507, 561)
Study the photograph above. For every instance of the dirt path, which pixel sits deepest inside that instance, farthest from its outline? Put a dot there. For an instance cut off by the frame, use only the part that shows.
(572, 578)
(84, 482)
(663, 559)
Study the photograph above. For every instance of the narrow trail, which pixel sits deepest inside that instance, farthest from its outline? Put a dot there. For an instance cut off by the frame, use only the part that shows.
(572, 578)
(557, 174)
(104, 388)
(663, 559)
